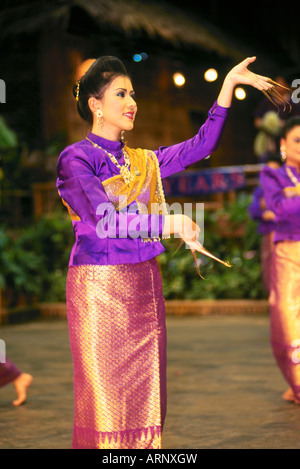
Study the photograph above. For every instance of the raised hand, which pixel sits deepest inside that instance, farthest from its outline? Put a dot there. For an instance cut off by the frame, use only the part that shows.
(240, 75)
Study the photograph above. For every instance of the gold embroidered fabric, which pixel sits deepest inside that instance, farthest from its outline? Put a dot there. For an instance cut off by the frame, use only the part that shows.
(118, 339)
(285, 311)
(145, 187)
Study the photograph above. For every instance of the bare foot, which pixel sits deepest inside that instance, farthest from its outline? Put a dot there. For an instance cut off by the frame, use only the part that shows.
(290, 396)
(22, 384)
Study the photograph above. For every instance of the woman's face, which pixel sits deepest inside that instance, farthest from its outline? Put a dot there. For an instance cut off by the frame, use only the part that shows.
(119, 107)
(292, 146)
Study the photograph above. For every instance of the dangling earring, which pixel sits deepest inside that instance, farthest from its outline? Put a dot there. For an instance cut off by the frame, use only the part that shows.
(100, 119)
(283, 154)
(123, 136)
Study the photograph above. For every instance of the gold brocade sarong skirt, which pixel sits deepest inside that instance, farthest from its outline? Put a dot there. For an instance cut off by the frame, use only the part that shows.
(285, 311)
(116, 317)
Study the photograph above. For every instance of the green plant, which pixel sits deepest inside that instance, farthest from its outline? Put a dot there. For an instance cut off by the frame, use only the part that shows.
(34, 260)
(8, 138)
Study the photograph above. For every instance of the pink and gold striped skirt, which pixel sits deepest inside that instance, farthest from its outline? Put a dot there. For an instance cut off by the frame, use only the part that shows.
(285, 311)
(116, 317)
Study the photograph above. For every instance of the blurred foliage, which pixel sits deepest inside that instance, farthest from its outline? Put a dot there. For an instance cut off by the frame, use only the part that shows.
(34, 260)
(14, 174)
(8, 138)
(10, 156)
(56, 144)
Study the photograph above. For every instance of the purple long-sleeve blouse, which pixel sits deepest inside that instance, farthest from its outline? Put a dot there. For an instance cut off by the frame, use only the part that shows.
(256, 213)
(287, 210)
(82, 168)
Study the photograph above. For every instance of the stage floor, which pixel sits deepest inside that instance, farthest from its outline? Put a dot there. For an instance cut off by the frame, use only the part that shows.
(224, 388)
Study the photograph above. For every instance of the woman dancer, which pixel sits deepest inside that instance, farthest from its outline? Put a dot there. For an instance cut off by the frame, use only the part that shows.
(9, 373)
(114, 291)
(282, 194)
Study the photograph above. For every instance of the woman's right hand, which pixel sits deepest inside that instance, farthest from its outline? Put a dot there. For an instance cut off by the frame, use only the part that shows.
(182, 225)
(189, 231)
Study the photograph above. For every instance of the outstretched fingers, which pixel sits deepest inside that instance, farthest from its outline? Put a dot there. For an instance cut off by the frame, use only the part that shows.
(262, 83)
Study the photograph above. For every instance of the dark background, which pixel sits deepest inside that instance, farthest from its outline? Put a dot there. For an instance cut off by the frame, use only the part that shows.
(269, 31)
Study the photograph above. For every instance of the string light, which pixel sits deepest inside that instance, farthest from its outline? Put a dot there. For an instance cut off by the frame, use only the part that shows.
(211, 75)
(179, 79)
(240, 93)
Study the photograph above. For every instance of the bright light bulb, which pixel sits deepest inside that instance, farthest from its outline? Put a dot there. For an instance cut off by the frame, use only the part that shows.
(240, 93)
(179, 79)
(211, 75)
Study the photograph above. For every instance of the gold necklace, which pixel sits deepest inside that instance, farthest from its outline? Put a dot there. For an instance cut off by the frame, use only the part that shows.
(124, 169)
(293, 179)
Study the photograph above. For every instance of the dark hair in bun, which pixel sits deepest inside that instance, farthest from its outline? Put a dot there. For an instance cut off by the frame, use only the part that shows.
(289, 125)
(95, 81)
